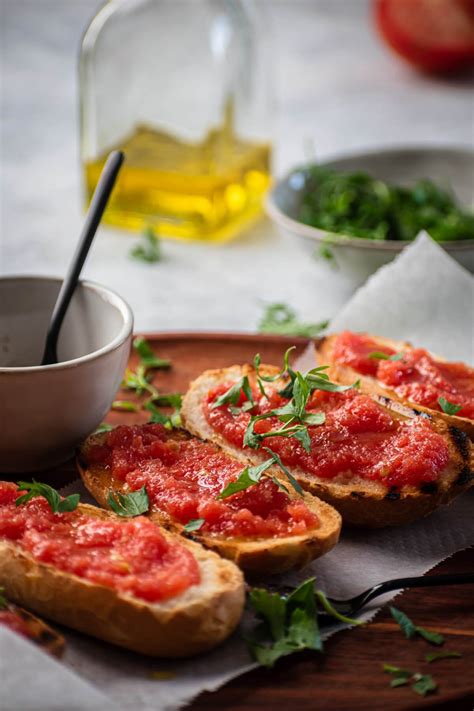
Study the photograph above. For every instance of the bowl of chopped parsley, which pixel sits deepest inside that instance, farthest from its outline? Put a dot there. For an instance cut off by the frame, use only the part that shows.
(359, 212)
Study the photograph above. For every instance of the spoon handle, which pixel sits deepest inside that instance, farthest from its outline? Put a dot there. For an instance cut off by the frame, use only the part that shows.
(93, 218)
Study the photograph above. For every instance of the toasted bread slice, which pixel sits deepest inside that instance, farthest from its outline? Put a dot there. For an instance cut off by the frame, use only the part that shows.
(33, 629)
(254, 555)
(347, 375)
(194, 621)
(359, 501)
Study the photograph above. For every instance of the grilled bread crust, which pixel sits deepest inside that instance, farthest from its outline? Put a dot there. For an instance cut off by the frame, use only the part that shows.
(195, 621)
(39, 632)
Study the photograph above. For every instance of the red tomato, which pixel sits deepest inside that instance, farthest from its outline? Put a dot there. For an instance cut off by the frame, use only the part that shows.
(435, 35)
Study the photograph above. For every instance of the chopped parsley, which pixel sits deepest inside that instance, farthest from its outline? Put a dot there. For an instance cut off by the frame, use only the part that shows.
(161, 418)
(252, 475)
(129, 505)
(3, 599)
(149, 250)
(410, 629)
(147, 357)
(282, 320)
(56, 502)
(355, 204)
(293, 415)
(379, 355)
(421, 684)
(434, 656)
(194, 525)
(125, 406)
(103, 427)
(448, 407)
(233, 394)
(286, 624)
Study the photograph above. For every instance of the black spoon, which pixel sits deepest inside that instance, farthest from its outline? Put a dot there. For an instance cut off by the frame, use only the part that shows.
(353, 605)
(94, 215)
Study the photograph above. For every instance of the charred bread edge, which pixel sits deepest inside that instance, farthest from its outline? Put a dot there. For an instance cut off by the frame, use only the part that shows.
(39, 632)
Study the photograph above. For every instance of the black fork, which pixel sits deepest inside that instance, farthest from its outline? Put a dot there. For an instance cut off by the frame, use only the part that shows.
(353, 605)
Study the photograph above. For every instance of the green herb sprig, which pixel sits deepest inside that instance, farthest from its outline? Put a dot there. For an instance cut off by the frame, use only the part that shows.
(287, 623)
(379, 355)
(450, 408)
(138, 381)
(103, 427)
(149, 250)
(252, 475)
(421, 684)
(125, 406)
(161, 418)
(293, 415)
(356, 204)
(281, 319)
(129, 505)
(446, 654)
(409, 628)
(54, 499)
(3, 600)
(195, 524)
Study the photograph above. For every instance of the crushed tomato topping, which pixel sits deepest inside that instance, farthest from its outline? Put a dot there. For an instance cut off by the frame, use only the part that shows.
(416, 377)
(183, 478)
(358, 438)
(131, 557)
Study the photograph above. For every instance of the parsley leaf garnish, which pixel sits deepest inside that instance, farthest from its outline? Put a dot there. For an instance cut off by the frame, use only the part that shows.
(103, 427)
(293, 414)
(410, 629)
(233, 394)
(282, 319)
(147, 357)
(139, 380)
(125, 406)
(379, 355)
(54, 499)
(157, 417)
(424, 684)
(287, 623)
(3, 599)
(150, 248)
(421, 683)
(402, 676)
(193, 525)
(434, 656)
(129, 505)
(252, 475)
(450, 408)
(248, 477)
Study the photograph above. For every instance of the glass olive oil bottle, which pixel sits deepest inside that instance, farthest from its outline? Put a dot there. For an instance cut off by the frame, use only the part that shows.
(181, 87)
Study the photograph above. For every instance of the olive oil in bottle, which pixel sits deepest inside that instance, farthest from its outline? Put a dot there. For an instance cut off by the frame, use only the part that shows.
(197, 157)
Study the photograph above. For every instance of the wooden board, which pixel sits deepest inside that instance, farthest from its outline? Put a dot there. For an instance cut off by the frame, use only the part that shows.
(348, 677)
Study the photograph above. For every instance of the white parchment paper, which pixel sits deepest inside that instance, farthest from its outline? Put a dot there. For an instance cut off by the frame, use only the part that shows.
(423, 296)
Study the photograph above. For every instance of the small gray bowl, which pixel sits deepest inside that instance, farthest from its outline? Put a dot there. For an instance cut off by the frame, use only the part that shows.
(47, 410)
(358, 257)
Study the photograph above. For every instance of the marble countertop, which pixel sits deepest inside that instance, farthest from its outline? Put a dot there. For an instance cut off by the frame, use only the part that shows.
(338, 90)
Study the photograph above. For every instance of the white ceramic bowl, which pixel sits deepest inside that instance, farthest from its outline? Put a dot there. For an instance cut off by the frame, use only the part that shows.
(47, 410)
(357, 257)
